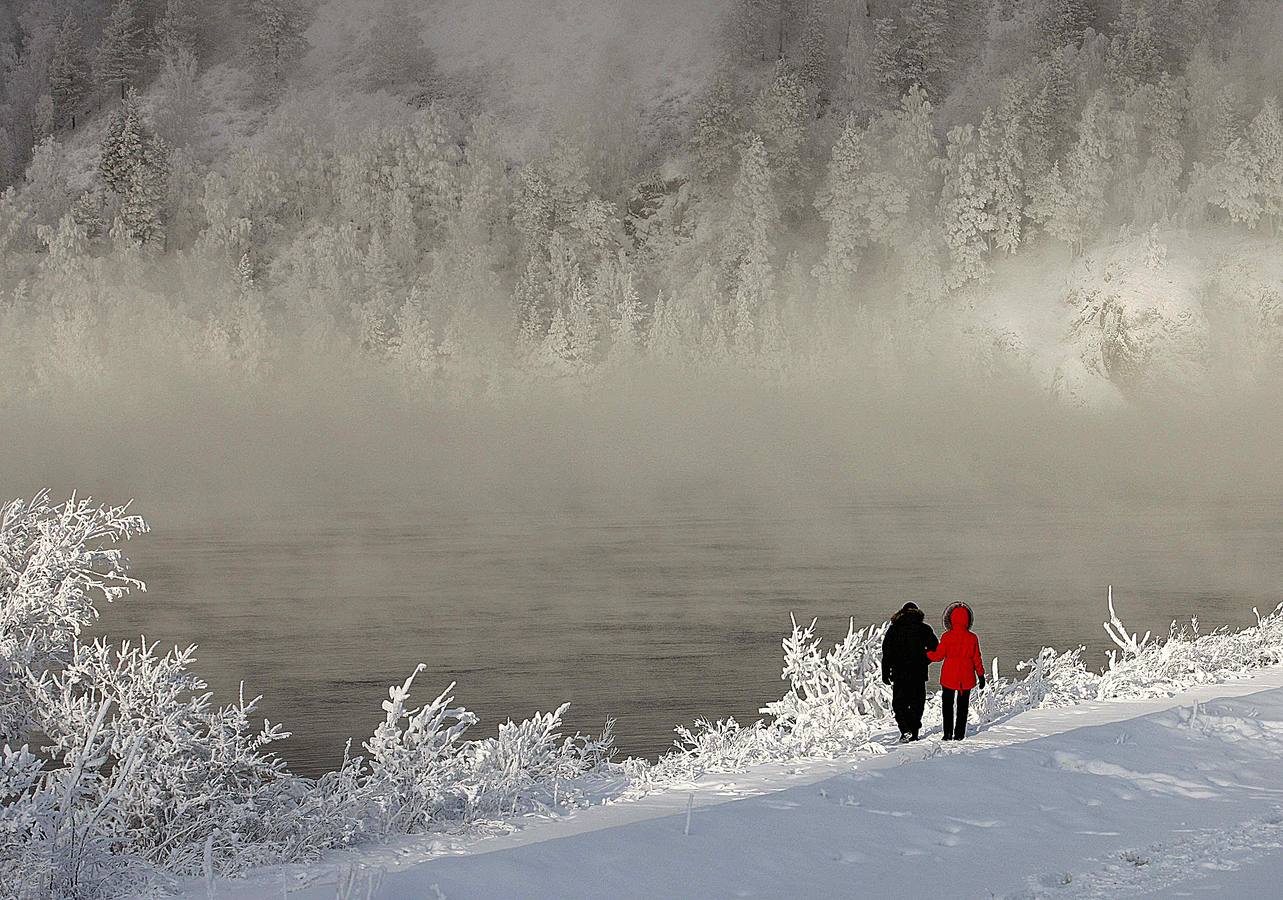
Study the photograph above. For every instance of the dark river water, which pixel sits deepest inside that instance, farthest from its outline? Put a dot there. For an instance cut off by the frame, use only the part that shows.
(655, 617)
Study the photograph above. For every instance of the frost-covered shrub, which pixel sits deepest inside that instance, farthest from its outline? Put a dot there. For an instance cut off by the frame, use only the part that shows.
(1144, 667)
(835, 699)
(208, 770)
(415, 764)
(55, 561)
(517, 764)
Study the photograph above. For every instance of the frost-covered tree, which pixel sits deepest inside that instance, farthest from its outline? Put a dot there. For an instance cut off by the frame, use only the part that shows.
(1162, 118)
(717, 127)
(276, 37)
(858, 89)
(1063, 22)
(968, 197)
(134, 163)
(394, 49)
(179, 28)
(69, 76)
(1267, 146)
(814, 70)
(180, 103)
(755, 216)
(46, 195)
(1009, 174)
(1228, 176)
(56, 558)
(884, 57)
(120, 50)
(1135, 54)
(1070, 200)
(778, 116)
(839, 205)
(381, 285)
(923, 55)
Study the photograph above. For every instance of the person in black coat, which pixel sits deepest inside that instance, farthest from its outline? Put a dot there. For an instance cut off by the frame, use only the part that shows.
(904, 667)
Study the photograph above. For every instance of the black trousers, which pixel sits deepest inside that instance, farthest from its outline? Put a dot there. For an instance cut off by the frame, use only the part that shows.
(908, 700)
(955, 729)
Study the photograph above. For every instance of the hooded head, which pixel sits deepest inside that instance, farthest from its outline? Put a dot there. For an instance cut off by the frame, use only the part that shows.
(960, 617)
(908, 613)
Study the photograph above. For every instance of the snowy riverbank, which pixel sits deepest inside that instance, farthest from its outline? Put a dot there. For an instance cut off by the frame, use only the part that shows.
(1102, 798)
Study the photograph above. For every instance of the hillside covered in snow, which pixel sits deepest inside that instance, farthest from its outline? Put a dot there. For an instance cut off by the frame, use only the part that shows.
(470, 198)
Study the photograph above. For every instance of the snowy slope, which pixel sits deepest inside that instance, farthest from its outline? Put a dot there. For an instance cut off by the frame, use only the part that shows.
(1102, 799)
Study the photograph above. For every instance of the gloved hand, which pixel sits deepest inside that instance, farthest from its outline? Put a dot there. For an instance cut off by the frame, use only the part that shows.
(980, 683)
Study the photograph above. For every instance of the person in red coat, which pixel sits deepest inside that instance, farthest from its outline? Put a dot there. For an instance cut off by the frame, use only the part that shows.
(963, 669)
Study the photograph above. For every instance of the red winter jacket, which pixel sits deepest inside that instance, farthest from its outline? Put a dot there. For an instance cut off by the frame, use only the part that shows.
(960, 651)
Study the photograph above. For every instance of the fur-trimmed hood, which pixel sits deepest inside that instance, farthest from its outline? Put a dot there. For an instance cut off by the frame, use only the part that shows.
(909, 613)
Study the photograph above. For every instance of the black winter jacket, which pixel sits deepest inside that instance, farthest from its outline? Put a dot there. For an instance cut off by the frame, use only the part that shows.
(904, 649)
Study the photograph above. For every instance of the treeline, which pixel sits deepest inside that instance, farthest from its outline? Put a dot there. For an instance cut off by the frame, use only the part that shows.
(848, 169)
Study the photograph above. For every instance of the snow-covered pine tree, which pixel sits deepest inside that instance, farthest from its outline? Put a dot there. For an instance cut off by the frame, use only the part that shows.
(665, 340)
(382, 284)
(885, 57)
(179, 28)
(1267, 146)
(555, 351)
(1063, 22)
(912, 149)
(967, 198)
(624, 307)
(1229, 174)
(1009, 175)
(778, 117)
(134, 163)
(717, 128)
(755, 216)
(70, 80)
(394, 49)
(858, 89)
(120, 50)
(815, 70)
(1162, 119)
(276, 38)
(838, 203)
(1134, 55)
(582, 327)
(1072, 202)
(924, 57)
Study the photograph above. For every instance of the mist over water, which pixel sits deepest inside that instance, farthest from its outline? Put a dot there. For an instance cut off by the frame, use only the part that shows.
(638, 552)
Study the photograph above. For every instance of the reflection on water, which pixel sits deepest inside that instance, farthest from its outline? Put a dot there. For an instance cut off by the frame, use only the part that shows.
(657, 617)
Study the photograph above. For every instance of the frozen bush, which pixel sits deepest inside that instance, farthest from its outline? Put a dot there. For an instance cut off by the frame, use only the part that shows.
(834, 698)
(55, 561)
(415, 765)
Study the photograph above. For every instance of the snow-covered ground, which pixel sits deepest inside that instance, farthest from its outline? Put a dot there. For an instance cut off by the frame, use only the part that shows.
(1180, 796)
